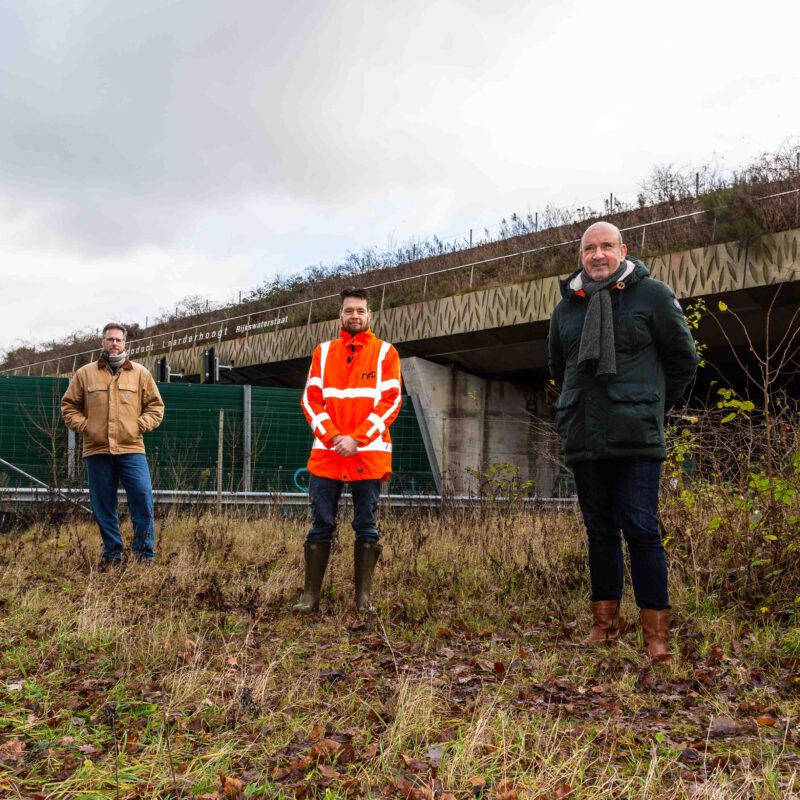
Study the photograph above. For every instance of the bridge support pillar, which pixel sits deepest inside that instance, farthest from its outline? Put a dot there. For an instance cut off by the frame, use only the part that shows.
(473, 423)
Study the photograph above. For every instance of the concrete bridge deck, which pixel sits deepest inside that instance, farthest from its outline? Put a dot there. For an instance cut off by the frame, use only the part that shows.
(501, 331)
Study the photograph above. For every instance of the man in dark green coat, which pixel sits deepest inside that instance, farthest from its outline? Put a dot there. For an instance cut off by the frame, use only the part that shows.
(620, 347)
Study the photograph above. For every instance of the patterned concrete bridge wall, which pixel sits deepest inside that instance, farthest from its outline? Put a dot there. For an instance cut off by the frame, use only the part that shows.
(692, 273)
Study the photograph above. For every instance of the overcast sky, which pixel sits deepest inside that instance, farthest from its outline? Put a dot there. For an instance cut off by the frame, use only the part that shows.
(164, 148)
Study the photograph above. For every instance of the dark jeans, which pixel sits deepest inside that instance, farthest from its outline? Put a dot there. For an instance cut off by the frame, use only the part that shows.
(622, 495)
(325, 493)
(104, 473)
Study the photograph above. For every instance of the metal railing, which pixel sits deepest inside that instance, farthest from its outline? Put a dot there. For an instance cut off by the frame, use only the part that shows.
(212, 332)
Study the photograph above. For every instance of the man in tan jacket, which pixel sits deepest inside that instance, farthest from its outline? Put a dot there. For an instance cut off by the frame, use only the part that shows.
(112, 402)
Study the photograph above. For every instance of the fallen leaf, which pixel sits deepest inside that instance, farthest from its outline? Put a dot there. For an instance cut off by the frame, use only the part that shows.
(563, 791)
(723, 726)
(324, 748)
(250, 775)
(12, 752)
(414, 764)
(231, 787)
(689, 756)
(327, 771)
(316, 732)
(435, 755)
(370, 751)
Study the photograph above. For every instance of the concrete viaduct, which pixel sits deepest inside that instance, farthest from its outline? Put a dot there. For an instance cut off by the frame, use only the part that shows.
(475, 363)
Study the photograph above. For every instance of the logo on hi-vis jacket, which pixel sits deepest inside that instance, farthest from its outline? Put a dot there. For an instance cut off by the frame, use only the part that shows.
(365, 376)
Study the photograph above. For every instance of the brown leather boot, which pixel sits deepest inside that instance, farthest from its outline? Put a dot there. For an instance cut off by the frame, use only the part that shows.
(655, 628)
(365, 557)
(607, 624)
(316, 555)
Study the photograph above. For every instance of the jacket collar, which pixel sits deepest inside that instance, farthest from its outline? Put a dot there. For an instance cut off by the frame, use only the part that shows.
(359, 340)
(101, 364)
(635, 270)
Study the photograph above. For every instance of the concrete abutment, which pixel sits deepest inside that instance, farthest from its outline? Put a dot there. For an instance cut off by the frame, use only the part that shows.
(471, 423)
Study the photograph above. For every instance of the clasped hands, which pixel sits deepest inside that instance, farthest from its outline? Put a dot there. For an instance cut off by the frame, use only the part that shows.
(345, 446)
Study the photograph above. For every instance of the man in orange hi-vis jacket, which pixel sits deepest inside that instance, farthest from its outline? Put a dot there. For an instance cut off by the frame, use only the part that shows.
(351, 398)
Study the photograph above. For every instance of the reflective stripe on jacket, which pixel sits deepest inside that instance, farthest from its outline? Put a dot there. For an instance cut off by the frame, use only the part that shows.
(353, 389)
(112, 411)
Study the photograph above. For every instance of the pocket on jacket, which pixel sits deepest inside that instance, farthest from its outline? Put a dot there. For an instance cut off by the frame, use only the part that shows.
(631, 333)
(97, 394)
(634, 412)
(96, 430)
(129, 432)
(566, 413)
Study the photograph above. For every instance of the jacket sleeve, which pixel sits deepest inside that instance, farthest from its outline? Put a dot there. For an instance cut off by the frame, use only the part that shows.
(387, 399)
(313, 403)
(152, 405)
(555, 354)
(675, 345)
(73, 404)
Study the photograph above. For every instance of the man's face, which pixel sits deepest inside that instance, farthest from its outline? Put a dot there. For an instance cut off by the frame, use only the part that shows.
(601, 251)
(355, 315)
(114, 341)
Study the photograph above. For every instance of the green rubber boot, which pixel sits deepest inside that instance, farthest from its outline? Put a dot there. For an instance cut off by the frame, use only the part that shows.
(365, 557)
(316, 554)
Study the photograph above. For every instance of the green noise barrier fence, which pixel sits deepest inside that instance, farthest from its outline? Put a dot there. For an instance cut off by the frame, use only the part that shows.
(265, 439)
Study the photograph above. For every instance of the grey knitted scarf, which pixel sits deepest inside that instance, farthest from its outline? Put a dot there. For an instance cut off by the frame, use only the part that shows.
(597, 336)
(114, 362)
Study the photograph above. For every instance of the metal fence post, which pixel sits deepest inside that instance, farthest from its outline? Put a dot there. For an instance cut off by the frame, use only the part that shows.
(72, 442)
(219, 458)
(247, 438)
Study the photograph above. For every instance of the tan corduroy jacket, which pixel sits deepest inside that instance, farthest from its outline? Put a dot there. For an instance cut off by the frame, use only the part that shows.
(112, 411)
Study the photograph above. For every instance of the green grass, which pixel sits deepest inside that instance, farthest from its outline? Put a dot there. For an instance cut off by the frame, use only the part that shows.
(470, 682)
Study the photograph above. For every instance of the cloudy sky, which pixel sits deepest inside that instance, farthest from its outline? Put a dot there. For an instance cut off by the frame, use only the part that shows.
(165, 148)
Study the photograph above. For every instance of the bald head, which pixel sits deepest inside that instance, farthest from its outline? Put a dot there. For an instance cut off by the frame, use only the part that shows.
(602, 250)
(605, 228)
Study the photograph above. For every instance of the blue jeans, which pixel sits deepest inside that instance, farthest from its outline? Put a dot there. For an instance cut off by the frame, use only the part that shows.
(622, 495)
(104, 473)
(325, 493)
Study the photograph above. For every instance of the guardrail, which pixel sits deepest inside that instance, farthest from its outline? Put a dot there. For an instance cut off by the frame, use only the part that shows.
(172, 497)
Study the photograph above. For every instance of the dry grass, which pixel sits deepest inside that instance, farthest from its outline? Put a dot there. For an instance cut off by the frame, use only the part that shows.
(149, 682)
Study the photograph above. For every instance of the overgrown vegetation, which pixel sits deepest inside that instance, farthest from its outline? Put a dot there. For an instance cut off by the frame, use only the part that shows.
(193, 679)
(734, 202)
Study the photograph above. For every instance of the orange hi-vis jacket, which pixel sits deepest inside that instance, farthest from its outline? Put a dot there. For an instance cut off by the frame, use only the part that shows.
(353, 389)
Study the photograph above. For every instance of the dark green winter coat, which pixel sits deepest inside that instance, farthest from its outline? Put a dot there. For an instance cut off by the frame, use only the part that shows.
(621, 415)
